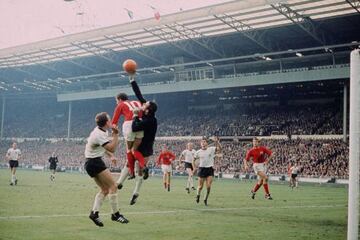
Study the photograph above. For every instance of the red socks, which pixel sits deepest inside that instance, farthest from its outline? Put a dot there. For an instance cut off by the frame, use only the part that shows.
(266, 188)
(257, 186)
(131, 157)
(131, 163)
(138, 156)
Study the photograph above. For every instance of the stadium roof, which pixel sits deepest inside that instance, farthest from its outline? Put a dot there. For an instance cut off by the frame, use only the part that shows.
(233, 29)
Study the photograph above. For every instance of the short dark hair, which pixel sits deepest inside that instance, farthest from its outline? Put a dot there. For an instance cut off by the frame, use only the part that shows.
(122, 96)
(152, 107)
(101, 119)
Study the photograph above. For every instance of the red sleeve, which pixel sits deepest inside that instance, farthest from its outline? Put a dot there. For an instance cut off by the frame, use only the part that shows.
(267, 151)
(172, 156)
(159, 159)
(117, 114)
(248, 155)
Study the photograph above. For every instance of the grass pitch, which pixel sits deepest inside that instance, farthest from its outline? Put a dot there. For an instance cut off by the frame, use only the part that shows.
(40, 209)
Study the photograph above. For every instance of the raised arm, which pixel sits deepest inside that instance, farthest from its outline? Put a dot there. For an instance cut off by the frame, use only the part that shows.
(136, 90)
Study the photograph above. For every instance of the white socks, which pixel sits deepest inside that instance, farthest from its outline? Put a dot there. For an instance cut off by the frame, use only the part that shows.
(13, 178)
(99, 198)
(113, 202)
(139, 181)
(123, 175)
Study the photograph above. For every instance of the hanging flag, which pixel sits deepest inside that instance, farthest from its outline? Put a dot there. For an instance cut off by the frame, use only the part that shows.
(130, 13)
(156, 13)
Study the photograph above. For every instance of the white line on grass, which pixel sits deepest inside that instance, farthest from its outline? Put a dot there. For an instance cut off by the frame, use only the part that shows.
(173, 211)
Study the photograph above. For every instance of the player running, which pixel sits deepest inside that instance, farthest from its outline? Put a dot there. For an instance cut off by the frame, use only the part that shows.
(206, 156)
(260, 156)
(98, 144)
(165, 159)
(188, 155)
(13, 155)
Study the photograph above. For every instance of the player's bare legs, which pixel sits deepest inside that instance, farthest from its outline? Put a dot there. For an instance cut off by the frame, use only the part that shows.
(208, 188)
(108, 187)
(264, 178)
(190, 181)
(13, 177)
(200, 186)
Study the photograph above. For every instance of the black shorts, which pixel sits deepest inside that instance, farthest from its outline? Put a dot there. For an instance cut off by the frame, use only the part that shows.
(293, 176)
(52, 167)
(205, 172)
(146, 151)
(188, 165)
(13, 163)
(94, 166)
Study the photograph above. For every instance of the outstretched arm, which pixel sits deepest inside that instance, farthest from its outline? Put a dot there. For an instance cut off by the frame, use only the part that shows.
(136, 89)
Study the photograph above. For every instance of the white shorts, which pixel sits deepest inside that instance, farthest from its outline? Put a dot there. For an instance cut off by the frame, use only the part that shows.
(128, 134)
(166, 168)
(259, 167)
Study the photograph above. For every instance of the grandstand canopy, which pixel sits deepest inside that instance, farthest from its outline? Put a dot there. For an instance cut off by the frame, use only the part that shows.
(279, 33)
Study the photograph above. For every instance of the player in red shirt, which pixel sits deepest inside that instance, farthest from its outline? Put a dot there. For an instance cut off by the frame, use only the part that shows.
(125, 108)
(165, 158)
(260, 156)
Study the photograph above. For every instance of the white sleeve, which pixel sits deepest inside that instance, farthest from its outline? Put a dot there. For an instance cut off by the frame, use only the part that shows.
(19, 152)
(8, 152)
(196, 155)
(182, 153)
(102, 139)
(213, 150)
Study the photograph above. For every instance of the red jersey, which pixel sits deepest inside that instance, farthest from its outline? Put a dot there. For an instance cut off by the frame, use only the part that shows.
(258, 154)
(166, 157)
(125, 108)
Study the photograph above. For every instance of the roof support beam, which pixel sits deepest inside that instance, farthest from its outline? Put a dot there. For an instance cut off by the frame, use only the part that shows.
(304, 22)
(172, 38)
(260, 38)
(48, 51)
(196, 37)
(354, 4)
(44, 66)
(136, 47)
(99, 54)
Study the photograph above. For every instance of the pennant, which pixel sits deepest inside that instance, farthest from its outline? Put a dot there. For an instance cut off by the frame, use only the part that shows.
(156, 13)
(130, 13)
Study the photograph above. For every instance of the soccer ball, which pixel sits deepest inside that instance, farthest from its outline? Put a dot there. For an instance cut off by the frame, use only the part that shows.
(129, 66)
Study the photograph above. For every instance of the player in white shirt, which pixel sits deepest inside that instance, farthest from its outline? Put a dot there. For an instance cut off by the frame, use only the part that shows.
(294, 170)
(188, 155)
(206, 157)
(13, 155)
(98, 144)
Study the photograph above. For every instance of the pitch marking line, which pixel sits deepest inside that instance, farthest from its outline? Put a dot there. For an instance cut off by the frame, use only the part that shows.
(3, 218)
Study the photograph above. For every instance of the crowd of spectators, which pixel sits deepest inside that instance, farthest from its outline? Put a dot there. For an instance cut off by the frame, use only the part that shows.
(317, 158)
(50, 119)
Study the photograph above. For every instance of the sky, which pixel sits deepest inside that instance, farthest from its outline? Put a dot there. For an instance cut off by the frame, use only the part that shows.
(26, 21)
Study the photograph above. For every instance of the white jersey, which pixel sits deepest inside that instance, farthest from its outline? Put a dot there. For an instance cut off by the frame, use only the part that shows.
(95, 143)
(294, 170)
(13, 154)
(206, 157)
(188, 155)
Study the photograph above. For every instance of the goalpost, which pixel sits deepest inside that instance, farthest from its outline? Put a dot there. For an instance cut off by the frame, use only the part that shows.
(354, 154)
